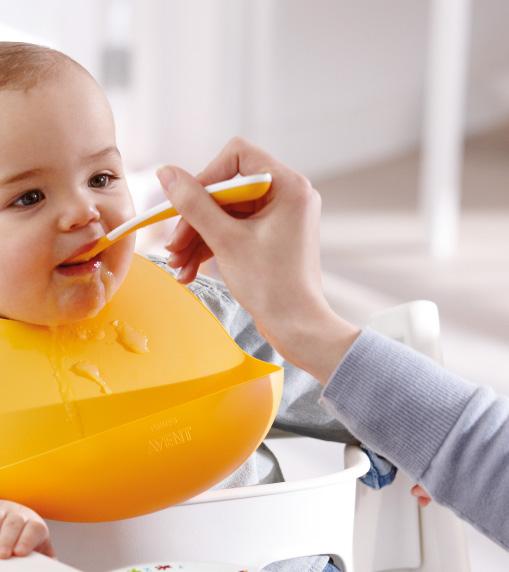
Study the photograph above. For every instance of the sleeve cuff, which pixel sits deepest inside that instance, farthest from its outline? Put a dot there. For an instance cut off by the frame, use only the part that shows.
(398, 402)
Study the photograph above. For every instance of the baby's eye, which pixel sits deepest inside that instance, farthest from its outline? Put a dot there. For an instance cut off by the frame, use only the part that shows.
(101, 180)
(29, 199)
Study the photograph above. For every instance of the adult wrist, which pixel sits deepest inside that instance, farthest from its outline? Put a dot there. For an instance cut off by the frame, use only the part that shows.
(316, 340)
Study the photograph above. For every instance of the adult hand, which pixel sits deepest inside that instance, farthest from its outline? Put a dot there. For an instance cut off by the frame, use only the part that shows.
(267, 252)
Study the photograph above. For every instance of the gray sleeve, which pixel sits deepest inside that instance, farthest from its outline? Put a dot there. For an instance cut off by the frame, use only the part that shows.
(447, 433)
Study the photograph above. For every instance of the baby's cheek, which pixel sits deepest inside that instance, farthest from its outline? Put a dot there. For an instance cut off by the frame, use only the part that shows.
(120, 210)
(24, 284)
(22, 265)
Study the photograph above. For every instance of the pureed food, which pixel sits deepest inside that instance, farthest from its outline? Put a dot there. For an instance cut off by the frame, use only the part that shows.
(126, 336)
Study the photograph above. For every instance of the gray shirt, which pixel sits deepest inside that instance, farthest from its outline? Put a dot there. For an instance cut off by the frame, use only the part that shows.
(447, 433)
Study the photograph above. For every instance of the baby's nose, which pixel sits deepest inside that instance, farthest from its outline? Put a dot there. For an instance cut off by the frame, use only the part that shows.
(77, 214)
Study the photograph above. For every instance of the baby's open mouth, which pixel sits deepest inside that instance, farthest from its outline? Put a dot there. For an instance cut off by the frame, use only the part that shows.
(80, 268)
(85, 248)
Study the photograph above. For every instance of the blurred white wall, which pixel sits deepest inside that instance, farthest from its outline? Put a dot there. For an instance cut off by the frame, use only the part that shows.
(325, 85)
(70, 26)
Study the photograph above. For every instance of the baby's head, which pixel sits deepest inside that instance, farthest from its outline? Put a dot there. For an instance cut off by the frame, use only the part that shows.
(62, 187)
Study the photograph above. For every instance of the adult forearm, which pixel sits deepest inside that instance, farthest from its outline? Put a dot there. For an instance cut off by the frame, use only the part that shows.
(445, 432)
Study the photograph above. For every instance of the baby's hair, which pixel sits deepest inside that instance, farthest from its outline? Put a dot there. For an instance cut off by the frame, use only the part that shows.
(23, 66)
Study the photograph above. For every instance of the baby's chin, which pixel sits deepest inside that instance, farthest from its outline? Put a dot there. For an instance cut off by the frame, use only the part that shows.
(77, 298)
(65, 314)
(84, 298)
(76, 311)
(74, 307)
(69, 299)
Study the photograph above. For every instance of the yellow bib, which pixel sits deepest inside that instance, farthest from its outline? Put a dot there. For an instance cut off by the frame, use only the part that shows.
(144, 406)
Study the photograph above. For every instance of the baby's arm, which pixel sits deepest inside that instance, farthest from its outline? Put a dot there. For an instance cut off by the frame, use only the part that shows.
(22, 531)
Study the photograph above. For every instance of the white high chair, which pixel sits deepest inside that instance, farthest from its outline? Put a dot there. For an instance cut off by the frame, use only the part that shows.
(311, 513)
(244, 528)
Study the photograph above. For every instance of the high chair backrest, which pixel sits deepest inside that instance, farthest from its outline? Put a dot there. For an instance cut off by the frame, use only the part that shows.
(415, 324)
(392, 532)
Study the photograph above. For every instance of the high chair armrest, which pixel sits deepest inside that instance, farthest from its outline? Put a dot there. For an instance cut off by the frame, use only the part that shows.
(35, 561)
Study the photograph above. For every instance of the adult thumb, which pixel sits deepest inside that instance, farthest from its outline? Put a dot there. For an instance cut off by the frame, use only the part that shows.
(195, 205)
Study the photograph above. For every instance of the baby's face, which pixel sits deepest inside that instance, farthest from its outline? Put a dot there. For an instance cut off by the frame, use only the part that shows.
(62, 187)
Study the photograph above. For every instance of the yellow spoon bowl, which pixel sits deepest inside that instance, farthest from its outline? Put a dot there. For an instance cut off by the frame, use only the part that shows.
(144, 406)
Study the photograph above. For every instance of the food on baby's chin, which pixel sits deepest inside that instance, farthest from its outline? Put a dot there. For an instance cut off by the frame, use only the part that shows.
(129, 338)
(82, 296)
(90, 371)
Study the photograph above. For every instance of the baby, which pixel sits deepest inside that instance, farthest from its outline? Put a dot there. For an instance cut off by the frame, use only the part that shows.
(62, 186)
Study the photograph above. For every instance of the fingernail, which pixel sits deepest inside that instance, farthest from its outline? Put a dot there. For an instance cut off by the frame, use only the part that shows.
(178, 273)
(166, 176)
